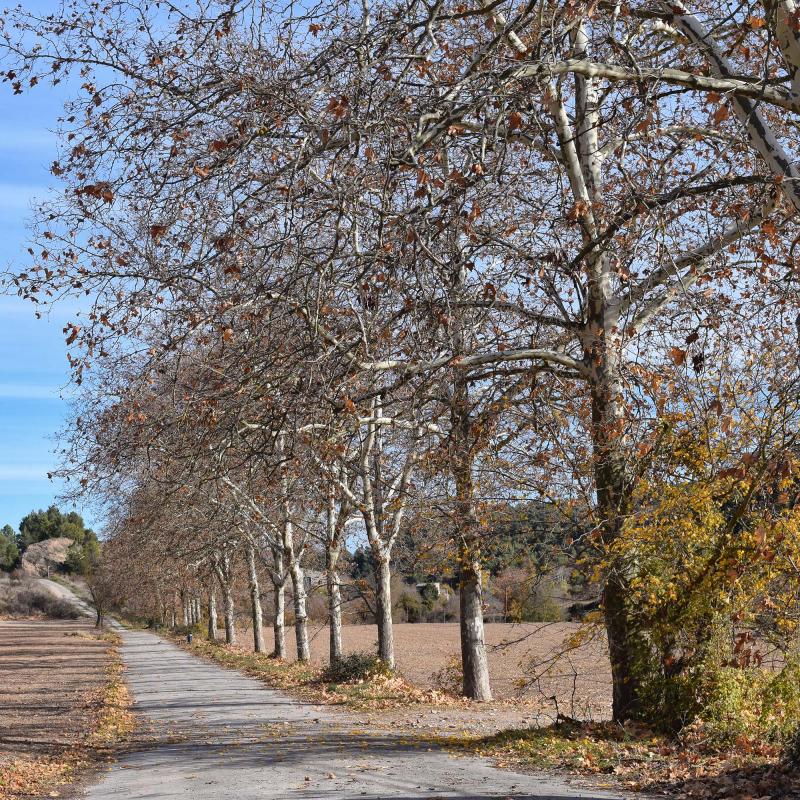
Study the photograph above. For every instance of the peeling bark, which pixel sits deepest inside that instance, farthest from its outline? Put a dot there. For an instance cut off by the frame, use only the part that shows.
(230, 611)
(747, 110)
(475, 667)
(212, 615)
(383, 610)
(473, 646)
(223, 570)
(383, 525)
(255, 600)
(278, 623)
(278, 577)
(334, 603)
(463, 445)
(300, 614)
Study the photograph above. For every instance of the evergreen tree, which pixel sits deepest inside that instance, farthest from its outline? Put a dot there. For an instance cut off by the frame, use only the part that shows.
(9, 552)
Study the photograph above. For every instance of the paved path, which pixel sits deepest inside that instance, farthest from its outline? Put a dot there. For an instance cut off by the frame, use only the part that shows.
(214, 733)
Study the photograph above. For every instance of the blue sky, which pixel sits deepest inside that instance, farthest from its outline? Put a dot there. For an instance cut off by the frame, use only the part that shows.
(33, 364)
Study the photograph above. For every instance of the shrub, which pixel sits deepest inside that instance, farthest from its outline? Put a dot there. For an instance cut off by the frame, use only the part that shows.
(751, 703)
(791, 751)
(197, 630)
(25, 601)
(780, 702)
(450, 678)
(411, 606)
(355, 667)
(724, 703)
(524, 596)
(542, 607)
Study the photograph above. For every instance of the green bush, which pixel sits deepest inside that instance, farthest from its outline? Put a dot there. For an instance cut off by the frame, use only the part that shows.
(411, 606)
(9, 553)
(82, 556)
(542, 607)
(730, 703)
(780, 702)
(791, 751)
(355, 667)
(723, 703)
(707, 686)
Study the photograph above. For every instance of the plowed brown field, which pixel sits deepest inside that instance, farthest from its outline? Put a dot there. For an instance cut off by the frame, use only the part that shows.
(49, 671)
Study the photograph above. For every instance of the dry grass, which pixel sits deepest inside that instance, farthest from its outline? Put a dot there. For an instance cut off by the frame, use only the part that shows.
(27, 600)
(379, 692)
(640, 759)
(414, 700)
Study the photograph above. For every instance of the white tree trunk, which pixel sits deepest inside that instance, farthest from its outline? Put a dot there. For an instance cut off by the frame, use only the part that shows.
(473, 646)
(224, 572)
(334, 603)
(278, 577)
(212, 616)
(230, 612)
(162, 606)
(474, 664)
(383, 609)
(278, 623)
(255, 600)
(291, 554)
(749, 113)
(300, 614)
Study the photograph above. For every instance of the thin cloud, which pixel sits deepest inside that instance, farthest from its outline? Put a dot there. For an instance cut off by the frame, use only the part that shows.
(20, 197)
(22, 391)
(16, 140)
(24, 472)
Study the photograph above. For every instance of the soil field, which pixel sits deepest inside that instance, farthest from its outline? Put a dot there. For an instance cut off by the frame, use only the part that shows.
(580, 681)
(49, 672)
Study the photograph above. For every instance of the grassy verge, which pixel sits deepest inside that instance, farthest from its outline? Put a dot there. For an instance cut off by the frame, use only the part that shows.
(111, 723)
(307, 680)
(642, 760)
